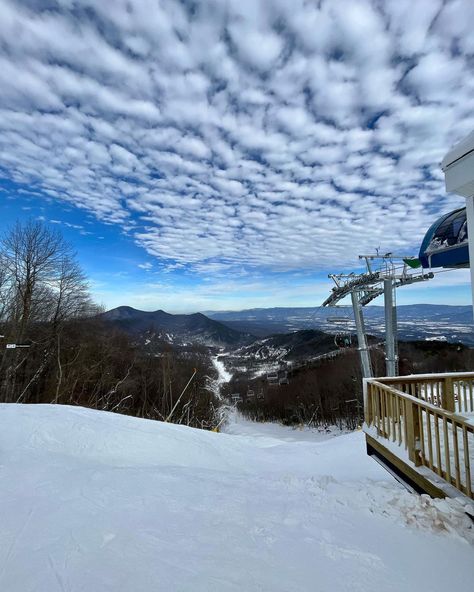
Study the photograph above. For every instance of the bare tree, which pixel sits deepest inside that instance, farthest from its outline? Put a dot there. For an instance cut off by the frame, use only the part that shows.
(70, 291)
(40, 282)
(31, 253)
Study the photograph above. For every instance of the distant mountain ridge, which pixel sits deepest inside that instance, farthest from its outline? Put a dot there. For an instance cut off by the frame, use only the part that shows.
(233, 329)
(179, 328)
(454, 323)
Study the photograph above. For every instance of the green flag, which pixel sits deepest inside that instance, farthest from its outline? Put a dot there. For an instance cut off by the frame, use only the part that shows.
(412, 262)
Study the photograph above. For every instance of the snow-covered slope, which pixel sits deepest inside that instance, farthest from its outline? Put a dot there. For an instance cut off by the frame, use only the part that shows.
(92, 501)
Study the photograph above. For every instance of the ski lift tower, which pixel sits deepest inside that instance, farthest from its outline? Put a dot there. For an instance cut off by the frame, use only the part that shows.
(458, 168)
(391, 272)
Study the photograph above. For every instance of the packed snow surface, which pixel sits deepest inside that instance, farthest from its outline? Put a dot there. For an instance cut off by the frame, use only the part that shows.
(223, 376)
(92, 501)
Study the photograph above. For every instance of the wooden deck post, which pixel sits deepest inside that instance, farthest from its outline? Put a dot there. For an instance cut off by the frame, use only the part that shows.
(368, 402)
(413, 432)
(448, 395)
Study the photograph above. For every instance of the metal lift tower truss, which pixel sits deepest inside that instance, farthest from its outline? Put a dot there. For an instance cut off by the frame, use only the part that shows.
(391, 272)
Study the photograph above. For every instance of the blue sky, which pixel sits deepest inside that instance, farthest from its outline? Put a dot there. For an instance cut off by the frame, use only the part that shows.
(224, 155)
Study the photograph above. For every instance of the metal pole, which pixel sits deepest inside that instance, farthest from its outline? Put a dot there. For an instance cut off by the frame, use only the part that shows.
(361, 338)
(390, 328)
(395, 327)
(179, 398)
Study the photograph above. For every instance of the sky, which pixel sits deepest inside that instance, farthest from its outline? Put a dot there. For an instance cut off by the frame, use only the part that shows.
(228, 154)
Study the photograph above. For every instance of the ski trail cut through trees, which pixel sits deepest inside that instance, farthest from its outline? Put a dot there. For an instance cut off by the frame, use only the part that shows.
(223, 376)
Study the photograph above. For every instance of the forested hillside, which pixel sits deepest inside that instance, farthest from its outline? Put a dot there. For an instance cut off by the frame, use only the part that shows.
(57, 348)
(328, 390)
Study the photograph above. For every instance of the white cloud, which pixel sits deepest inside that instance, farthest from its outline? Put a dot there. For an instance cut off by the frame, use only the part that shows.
(258, 133)
(146, 266)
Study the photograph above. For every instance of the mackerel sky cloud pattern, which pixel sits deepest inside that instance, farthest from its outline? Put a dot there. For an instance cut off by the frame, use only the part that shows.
(230, 135)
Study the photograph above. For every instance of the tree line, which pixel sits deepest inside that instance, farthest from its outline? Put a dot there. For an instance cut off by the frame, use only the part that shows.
(56, 349)
(329, 391)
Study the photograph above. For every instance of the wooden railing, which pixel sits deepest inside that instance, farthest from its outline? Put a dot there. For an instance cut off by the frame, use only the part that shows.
(423, 416)
(452, 392)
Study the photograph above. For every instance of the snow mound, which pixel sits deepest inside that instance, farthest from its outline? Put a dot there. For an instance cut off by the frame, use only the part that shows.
(97, 501)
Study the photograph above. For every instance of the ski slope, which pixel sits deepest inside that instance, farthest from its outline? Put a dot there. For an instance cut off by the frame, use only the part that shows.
(93, 502)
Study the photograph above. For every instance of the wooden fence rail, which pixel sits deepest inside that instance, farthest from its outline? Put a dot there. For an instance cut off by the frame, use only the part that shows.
(423, 416)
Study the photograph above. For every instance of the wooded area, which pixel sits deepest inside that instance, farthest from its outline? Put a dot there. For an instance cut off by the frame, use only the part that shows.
(329, 391)
(56, 349)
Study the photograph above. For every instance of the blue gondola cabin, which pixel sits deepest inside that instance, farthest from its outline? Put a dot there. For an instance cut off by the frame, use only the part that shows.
(446, 242)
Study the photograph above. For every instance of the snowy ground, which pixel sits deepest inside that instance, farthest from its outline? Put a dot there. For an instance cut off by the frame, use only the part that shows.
(223, 376)
(239, 426)
(93, 501)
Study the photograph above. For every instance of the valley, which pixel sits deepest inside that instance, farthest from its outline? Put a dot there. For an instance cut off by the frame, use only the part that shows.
(296, 367)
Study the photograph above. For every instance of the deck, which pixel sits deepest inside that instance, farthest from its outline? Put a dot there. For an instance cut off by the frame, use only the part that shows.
(422, 428)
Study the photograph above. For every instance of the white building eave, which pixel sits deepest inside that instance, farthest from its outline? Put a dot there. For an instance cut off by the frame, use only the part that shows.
(459, 150)
(458, 167)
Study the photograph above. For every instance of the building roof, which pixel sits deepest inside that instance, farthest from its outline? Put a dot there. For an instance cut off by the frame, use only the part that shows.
(458, 151)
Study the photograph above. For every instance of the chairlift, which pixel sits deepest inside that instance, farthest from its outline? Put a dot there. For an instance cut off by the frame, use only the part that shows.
(272, 380)
(343, 337)
(338, 320)
(343, 340)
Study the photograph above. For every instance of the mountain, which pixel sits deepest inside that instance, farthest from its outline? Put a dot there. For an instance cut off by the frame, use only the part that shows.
(178, 329)
(257, 328)
(289, 346)
(415, 321)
